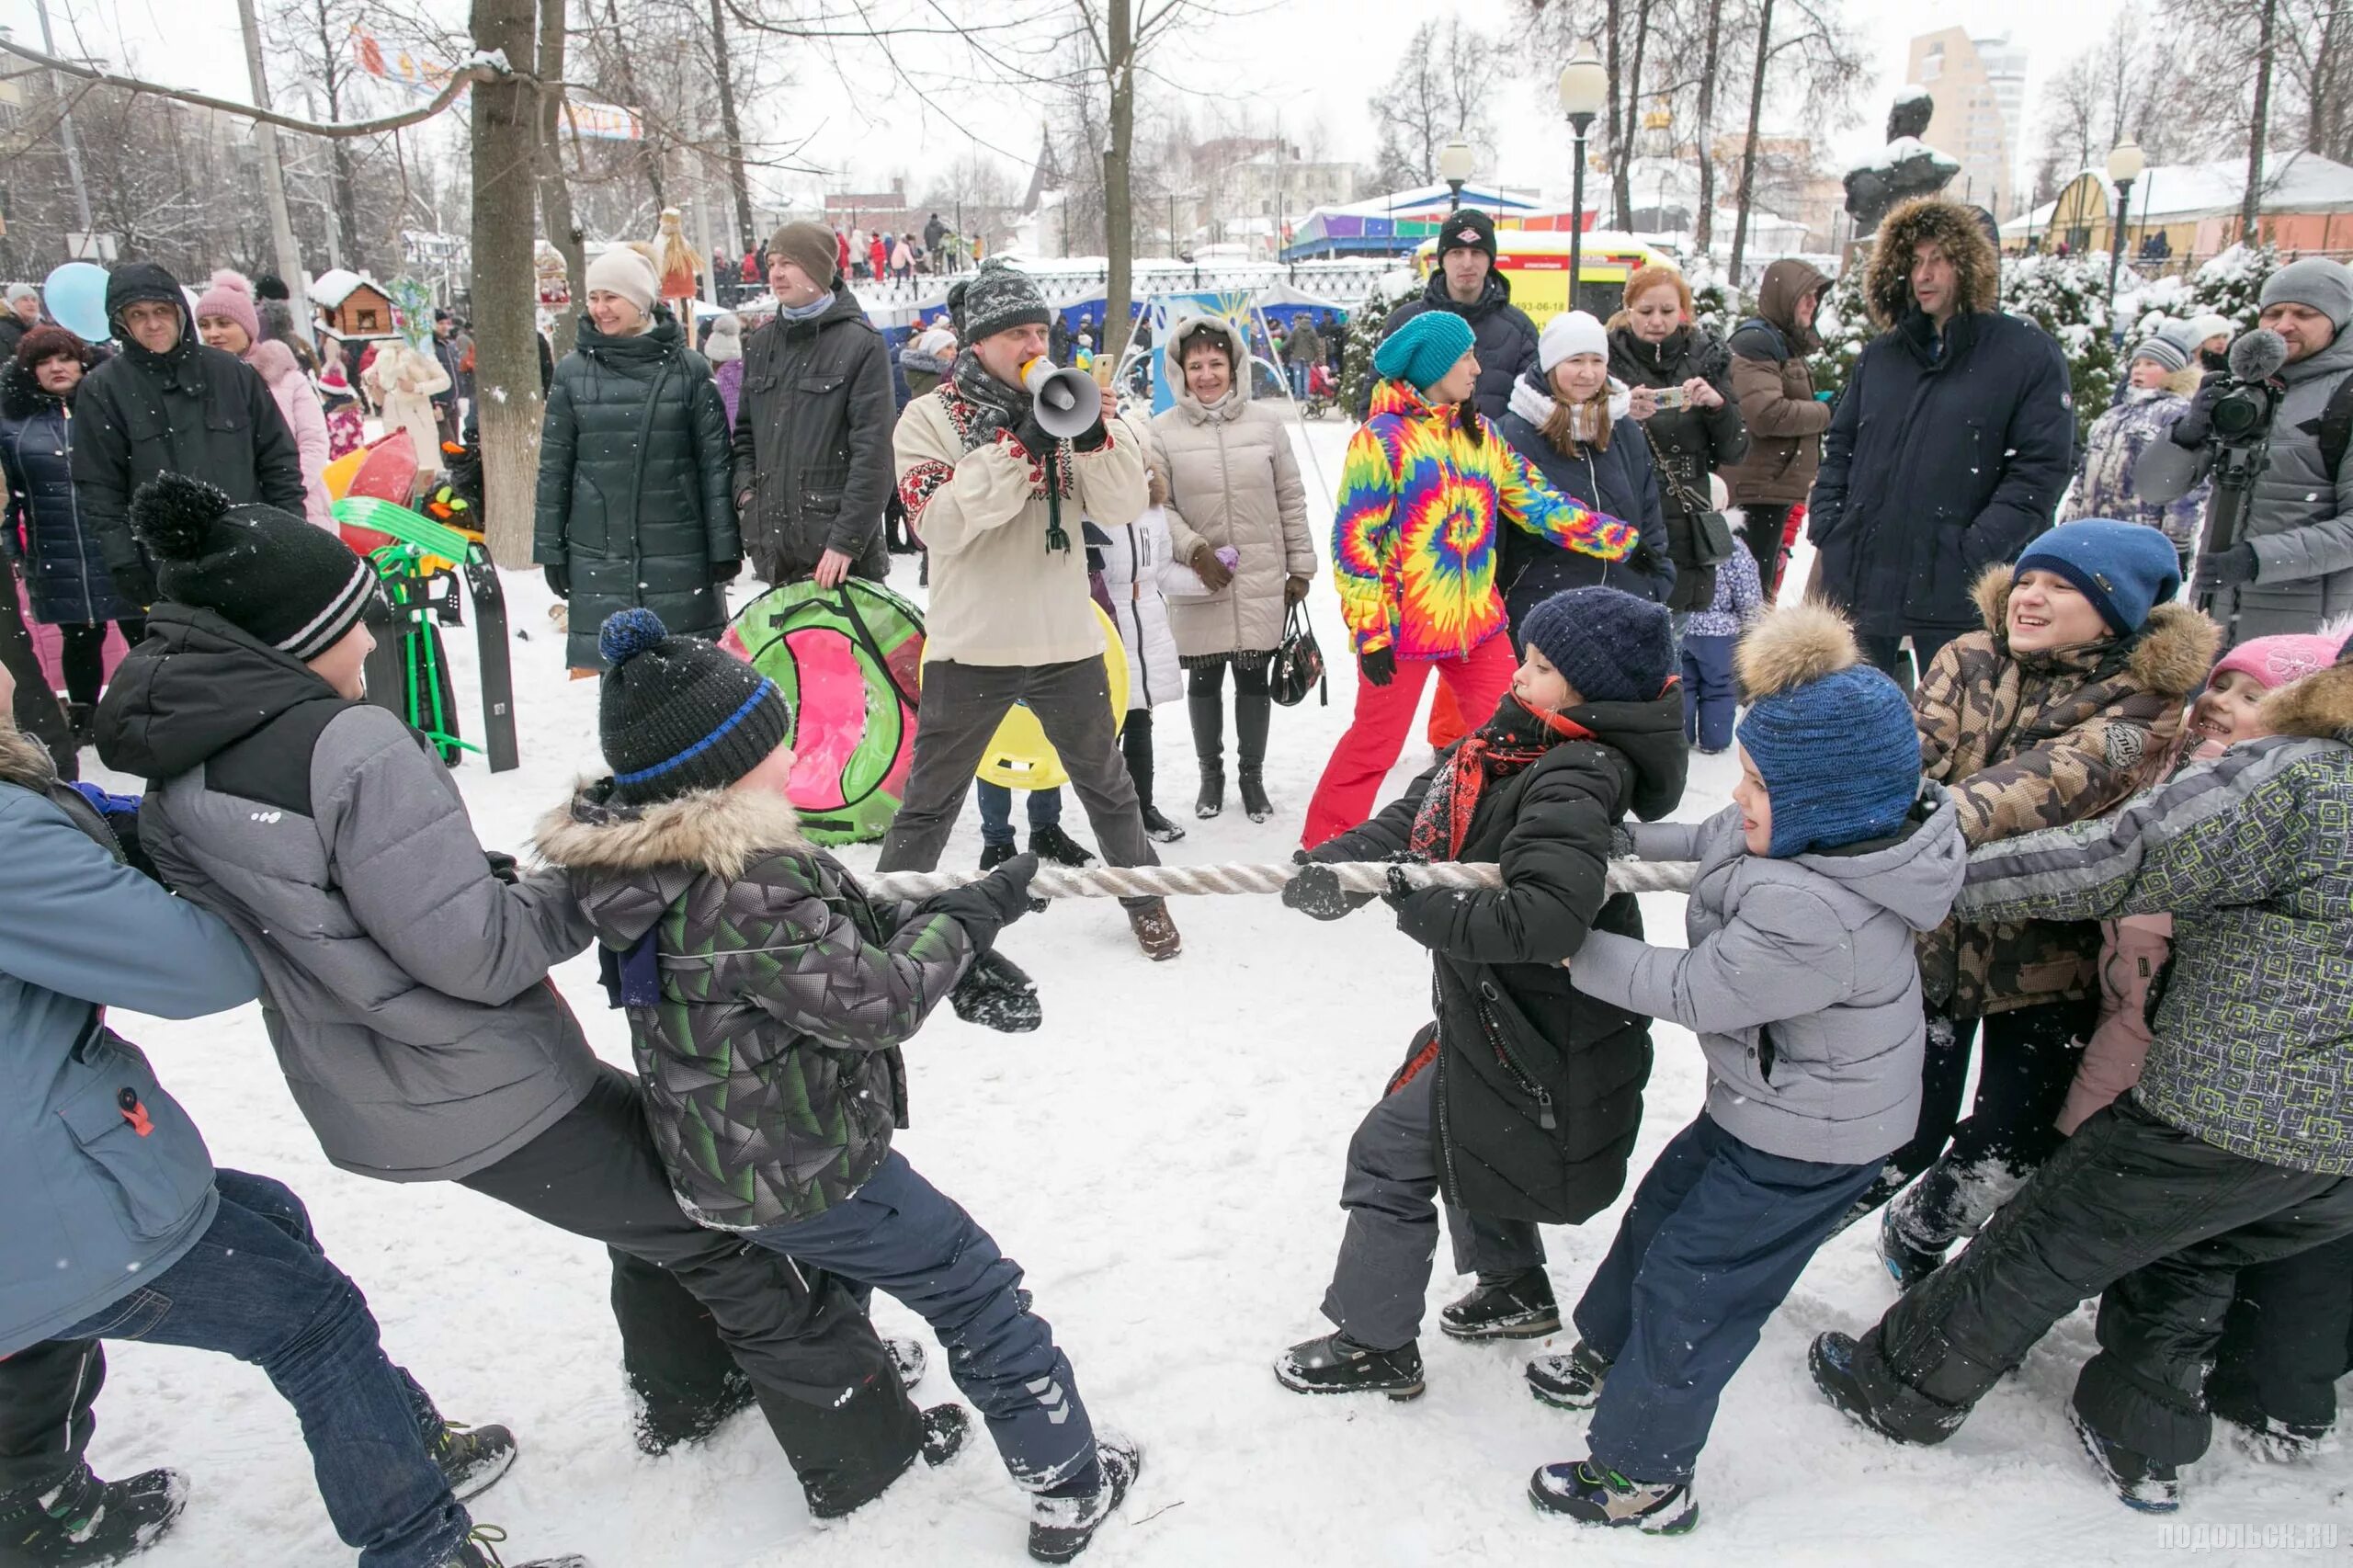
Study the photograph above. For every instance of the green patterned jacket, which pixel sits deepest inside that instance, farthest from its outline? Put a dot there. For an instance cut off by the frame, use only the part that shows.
(773, 1079)
(2252, 854)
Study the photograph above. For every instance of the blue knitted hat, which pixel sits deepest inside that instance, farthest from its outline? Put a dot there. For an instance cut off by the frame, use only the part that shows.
(2125, 568)
(1833, 738)
(1422, 351)
(1608, 645)
(677, 714)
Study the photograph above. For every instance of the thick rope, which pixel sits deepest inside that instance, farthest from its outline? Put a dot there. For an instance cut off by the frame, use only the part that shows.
(1356, 876)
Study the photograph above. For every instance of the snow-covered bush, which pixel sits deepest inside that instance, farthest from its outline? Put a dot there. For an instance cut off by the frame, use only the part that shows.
(1844, 327)
(1356, 350)
(2068, 296)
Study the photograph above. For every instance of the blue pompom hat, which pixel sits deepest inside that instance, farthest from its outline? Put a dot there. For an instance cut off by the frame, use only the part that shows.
(1422, 351)
(1833, 738)
(679, 714)
(2125, 568)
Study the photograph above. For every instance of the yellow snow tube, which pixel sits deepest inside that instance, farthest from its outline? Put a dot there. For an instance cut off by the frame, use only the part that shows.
(1018, 756)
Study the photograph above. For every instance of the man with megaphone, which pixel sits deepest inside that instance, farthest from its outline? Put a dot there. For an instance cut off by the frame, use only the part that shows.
(997, 465)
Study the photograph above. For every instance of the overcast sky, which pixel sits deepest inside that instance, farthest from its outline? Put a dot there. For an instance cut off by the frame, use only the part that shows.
(1315, 62)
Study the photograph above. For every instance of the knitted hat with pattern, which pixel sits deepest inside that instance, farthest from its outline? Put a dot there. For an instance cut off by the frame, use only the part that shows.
(998, 299)
(1833, 738)
(679, 714)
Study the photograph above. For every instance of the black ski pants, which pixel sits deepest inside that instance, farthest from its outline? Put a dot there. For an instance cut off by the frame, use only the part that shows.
(2285, 1340)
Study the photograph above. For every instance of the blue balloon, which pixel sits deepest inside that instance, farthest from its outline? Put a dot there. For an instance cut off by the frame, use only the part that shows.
(76, 294)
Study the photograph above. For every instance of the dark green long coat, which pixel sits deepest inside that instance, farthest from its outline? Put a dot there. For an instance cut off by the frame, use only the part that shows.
(633, 470)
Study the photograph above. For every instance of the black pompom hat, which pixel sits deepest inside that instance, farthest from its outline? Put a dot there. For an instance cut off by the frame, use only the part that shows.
(279, 578)
(679, 714)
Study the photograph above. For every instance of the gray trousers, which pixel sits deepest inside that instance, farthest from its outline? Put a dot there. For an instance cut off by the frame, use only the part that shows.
(961, 707)
(1382, 1278)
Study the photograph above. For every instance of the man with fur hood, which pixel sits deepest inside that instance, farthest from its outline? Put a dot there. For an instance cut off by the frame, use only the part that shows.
(1949, 446)
(2235, 1147)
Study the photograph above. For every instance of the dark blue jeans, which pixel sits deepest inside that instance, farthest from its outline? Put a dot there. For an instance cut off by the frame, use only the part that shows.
(1709, 696)
(257, 1287)
(901, 1235)
(1717, 1233)
(997, 810)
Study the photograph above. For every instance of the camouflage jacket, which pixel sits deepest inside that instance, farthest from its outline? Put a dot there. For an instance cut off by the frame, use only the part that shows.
(767, 997)
(2034, 742)
(2252, 854)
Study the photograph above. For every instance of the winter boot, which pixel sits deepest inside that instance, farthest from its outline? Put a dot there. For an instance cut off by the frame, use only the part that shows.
(2150, 1485)
(1336, 1364)
(1254, 795)
(909, 1356)
(1832, 1362)
(1908, 1264)
(1159, 828)
(1060, 1528)
(945, 1427)
(1210, 801)
(1251, 715)
(1206, 708)
(480, 1550)
(1572, 1381)
(81, 1521)
(2272, 1440)
(82, 718)
(995, 855)
(660, 1429)
(1156, 932)
(1503, 1306)
(471, 1457)
(1054, 847)
(1592, 1494)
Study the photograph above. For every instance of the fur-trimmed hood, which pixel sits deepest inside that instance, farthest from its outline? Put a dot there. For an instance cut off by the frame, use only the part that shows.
(2320, 706)
(24, 760)
(717, 831)
(1237, 354)
(1887, 281)
(2171, 654)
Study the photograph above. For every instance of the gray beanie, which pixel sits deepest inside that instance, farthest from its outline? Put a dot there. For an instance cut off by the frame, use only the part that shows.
(2162, 348)
(999, 299)
(2316, 281)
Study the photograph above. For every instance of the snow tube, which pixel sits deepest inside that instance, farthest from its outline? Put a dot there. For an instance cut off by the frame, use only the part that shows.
(1020, 757)
(849, 661)
(385, 469)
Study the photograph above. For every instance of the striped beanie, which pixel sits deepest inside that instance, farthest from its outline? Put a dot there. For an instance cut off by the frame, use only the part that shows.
(277, 577)
(679, 714)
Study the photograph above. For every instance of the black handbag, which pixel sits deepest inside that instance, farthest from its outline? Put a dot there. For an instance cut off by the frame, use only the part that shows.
(1297, 664)
(1712, 535)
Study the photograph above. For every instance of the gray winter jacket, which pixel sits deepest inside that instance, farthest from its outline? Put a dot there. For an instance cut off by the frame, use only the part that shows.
(2299, 521)
(1800, 979)
(404, 985)
(108, 1181)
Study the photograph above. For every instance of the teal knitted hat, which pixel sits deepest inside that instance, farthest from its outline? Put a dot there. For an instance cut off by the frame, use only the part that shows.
(1422, 351)
(1833, 738)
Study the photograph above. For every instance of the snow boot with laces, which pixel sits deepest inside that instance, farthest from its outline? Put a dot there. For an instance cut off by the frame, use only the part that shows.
(1054, 847)
(1503, 1306)
(1061, 1526)
(1336, 1364)
(1155, 931)
(471, 1457)
(1572, 1381)
(480, 1550)
(82, 1522)
(1595, 1494)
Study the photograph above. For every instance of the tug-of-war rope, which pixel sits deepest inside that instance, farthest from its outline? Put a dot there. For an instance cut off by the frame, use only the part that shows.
(1356, 876)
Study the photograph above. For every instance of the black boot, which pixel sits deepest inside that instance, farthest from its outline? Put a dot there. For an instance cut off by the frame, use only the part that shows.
(82, 718)
(1572, 1381)
(1060, 1528)
(1506, 1306)
(1211, 800)
(995, 854)
(82, 1522)
(1054, 847)
(480, 1551)
(1336, 1364)
(471, 1457)
(2150, 1485)
(1205, 705)
(1251, 714)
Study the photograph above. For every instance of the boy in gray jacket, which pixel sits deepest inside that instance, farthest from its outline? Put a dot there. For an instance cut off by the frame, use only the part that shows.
(1799, 982)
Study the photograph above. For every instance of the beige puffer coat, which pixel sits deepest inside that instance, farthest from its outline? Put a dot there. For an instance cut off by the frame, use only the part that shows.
(1232, 478)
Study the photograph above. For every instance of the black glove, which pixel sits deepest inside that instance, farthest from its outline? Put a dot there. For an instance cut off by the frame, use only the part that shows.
(726, 571)
(558, 580)
(1315, 891)
(1399, 889)
(1093, 438)
(1033, 438)
(997, 994)
(1379, 666)
(2197, 422)
(985, 907)
(502, 867)
(2226, 568)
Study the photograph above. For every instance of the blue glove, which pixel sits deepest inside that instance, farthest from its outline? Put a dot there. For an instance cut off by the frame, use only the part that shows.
(105, 804)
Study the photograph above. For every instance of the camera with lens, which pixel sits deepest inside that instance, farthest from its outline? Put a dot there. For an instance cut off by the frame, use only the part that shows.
(2242, 415)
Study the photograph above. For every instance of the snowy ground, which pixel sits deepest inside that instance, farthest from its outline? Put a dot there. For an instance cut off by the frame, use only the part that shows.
(1163, 1156)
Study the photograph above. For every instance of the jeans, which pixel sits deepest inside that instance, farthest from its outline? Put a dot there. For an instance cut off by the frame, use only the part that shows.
(1718, 1232)
(257, 1287)
(1298, 370)
(997, 810)
(901, 1235)
(1709, 698)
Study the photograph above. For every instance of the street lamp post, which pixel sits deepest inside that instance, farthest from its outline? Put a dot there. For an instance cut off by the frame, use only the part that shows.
(1584, 86)
(2125, 163)
(1455, 162)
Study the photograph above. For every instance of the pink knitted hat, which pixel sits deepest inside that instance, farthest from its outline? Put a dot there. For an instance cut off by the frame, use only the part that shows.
(230, 295)
(2273, 661)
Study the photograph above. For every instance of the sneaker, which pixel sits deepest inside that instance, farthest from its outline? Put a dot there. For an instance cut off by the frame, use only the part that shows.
(945, 1427)
(1594, 1495)
(471, 1457)
(82, 1522)
(1510, 1306)
(909, 1356)
(1832, 1361)
(1060, 1528)
(1056, 847)
(480, 1550)
(2147, 1484)
(1254, 795)
(1159, 828)
(2274, 1441)
(1908, 1264)
(1572, 1381)
(1336, 1364)
(1156, 932)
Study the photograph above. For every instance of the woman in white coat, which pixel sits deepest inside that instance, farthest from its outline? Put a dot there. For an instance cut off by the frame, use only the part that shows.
(402, 383)
(1233, 486)
(1138, 564)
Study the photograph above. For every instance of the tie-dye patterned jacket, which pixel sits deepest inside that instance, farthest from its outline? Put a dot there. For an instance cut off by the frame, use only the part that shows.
(1414, 542)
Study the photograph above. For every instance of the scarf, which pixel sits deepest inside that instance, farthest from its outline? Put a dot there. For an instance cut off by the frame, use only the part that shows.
(1513, 740)
(810, 311)
(981, 408)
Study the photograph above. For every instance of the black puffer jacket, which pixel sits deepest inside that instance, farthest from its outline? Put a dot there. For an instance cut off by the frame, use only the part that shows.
(1506, 339)
(195, 410)
(1690, 443)
(1540, 1087)
(812, 443)
(633, 503)
(65, 570)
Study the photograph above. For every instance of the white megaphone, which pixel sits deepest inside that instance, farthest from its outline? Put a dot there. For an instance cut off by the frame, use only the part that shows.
(1068, 401)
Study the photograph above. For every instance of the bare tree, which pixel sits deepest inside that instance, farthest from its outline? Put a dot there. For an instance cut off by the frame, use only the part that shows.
(1703, 228)
(1438, 92)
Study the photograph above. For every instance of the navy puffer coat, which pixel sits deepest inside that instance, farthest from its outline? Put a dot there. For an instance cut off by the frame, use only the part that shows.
(64, 567)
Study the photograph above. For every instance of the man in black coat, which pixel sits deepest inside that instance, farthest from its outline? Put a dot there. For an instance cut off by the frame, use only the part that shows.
(167, 403)
(1467, 283)
(812, 429)
(1951, 445)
